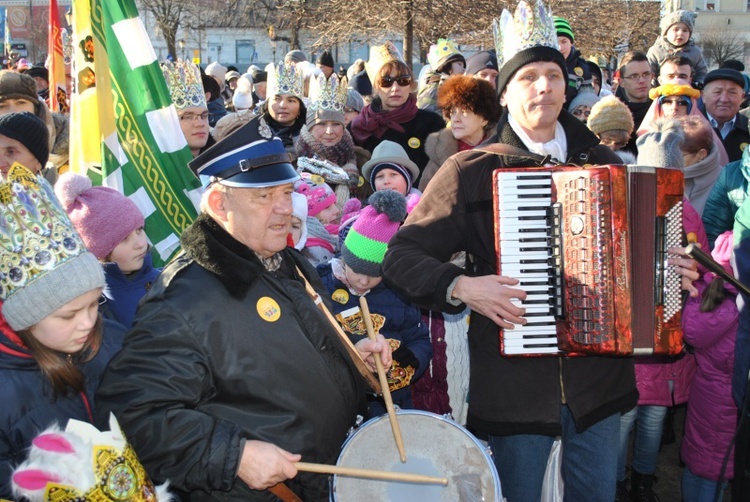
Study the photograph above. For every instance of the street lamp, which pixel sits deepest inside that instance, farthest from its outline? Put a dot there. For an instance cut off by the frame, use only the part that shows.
(272, 39)
(181, 43)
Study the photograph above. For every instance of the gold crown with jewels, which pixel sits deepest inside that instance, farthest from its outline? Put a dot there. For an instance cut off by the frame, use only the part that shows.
(285, 79)
(440, 52)
(184, 83)
(527, 27)
(327, 95)
(36, 235)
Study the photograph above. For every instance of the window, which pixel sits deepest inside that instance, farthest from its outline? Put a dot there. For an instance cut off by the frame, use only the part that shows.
(245, 49)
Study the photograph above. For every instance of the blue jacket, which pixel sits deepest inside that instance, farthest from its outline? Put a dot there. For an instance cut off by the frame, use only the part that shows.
(726, 197)
(401, 325)
(123, 292)
(28, 406)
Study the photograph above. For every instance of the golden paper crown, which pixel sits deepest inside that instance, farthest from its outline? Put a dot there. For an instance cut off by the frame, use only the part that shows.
(380, 55)
(285, 79)
(440, 53)
(527, 27)
(327, 95)
(184, 83)
(36, 234)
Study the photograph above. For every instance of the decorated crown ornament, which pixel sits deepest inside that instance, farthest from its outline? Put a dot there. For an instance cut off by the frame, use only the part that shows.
(184, 83)
(36, 235)
(380, 55)
(83, 464)
(528, 27)
(327, 100)
(440, 53)
(285, 79)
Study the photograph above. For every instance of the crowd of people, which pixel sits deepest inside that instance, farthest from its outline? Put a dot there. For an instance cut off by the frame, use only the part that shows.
(223, 370)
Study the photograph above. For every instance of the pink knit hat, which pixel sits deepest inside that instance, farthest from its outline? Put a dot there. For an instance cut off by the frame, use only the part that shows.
(103, 216)
(319, 194)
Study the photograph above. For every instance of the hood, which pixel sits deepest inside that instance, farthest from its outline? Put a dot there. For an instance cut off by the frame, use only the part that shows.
(13, 354)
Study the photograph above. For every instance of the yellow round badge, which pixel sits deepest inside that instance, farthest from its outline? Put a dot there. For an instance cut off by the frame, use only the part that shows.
(578, 71)
(268, 309)
(340, 296)
(414, 143)
(360, 181)
(317, 179)
(743, 146)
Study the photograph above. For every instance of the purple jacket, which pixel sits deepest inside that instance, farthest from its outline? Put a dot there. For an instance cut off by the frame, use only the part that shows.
(711, 414)
(652, 375)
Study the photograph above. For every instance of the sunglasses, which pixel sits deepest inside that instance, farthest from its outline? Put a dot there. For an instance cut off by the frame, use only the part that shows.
(674, 101)
(388, 81)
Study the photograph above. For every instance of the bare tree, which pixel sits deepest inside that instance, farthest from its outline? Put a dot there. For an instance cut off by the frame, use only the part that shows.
(720, 44)
(169, 16)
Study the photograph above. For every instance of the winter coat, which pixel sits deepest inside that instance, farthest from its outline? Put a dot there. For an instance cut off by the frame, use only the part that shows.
(402, 327)
(123, 292)
(742, 272)
(737, 138)
(28, 404)
(711, 414)
(438, 147)
(216, 111)
(412, 139)
(579, 75)
(224, 351)
(507, 395)
(653, 374)
(727, 195)
(639, 111)
(662, 49)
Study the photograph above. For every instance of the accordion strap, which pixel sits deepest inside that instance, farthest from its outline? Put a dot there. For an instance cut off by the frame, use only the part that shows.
(512, 151)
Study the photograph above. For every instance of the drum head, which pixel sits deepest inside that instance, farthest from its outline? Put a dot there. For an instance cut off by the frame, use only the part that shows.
(434, 446)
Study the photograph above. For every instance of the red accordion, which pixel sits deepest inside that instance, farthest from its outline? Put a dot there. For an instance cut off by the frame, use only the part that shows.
(589, 246)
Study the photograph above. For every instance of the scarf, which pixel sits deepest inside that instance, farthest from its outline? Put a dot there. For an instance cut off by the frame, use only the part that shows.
(318, 235)
(372, 120)
(700, 178)
(287, 134)
(342, 153)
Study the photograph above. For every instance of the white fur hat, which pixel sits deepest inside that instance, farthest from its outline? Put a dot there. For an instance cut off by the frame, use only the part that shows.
(299, 210)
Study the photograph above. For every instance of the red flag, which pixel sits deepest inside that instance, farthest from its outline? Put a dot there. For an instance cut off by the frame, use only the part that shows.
(58, 97)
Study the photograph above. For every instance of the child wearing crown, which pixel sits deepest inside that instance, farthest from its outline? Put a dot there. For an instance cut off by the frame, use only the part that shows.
(111, 226)
(54, 346)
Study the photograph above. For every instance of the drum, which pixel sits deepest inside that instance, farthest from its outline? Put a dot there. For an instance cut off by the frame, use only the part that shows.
(434, 446)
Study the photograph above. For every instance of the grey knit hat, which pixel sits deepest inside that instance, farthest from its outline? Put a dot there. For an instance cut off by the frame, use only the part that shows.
(584, 98)
(48, 269)
(15, 85)
(354, 100)
(678, 16)
(661, 147)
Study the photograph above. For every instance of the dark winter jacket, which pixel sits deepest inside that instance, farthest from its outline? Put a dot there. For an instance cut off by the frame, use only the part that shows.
(735, 142)
(223, 351)
(507, 395)
(412, 139)
(579, 75)
(123, 292)
(726, 197)
(639, 111)
(402, 326)
(28, 403)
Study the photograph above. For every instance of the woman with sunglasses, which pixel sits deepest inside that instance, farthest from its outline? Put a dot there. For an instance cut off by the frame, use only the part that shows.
(675, 99)
(393, 114)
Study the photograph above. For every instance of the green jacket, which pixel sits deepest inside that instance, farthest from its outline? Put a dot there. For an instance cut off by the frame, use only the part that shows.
(727, 195)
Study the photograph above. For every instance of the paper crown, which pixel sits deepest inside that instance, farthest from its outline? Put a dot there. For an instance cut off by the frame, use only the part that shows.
(327, 99)
(440, 53)
(84, 464)
(380, 55)
(285, 79)
(184, 83)
(528, 27)
(36, 235)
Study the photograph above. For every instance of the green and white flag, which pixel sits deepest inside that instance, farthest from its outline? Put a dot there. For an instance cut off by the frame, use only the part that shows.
(128, 110)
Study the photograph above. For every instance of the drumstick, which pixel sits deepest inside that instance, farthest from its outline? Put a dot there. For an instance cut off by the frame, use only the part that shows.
(383, 380)
(350, 348)
(370, 473)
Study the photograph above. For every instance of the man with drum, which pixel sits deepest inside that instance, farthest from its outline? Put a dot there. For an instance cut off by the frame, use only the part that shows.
(519, 404)
(231, 373)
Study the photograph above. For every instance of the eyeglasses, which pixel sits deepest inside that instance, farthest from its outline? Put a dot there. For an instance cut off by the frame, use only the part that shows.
(673, 102)
(192, 117)
(463, 112)
(581, 112)
(636, 76)
(388, 81)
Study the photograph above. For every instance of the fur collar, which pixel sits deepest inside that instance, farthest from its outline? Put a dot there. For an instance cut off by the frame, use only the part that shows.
(440, 145)
(236, 265)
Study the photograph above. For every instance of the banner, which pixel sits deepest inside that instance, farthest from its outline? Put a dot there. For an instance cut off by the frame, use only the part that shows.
(125, 131)
(58, 96)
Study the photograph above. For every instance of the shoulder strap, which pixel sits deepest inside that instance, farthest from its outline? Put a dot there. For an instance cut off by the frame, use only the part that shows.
(512, 151)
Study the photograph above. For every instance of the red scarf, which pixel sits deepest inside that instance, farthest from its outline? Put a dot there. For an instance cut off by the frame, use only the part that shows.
(373, 121)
